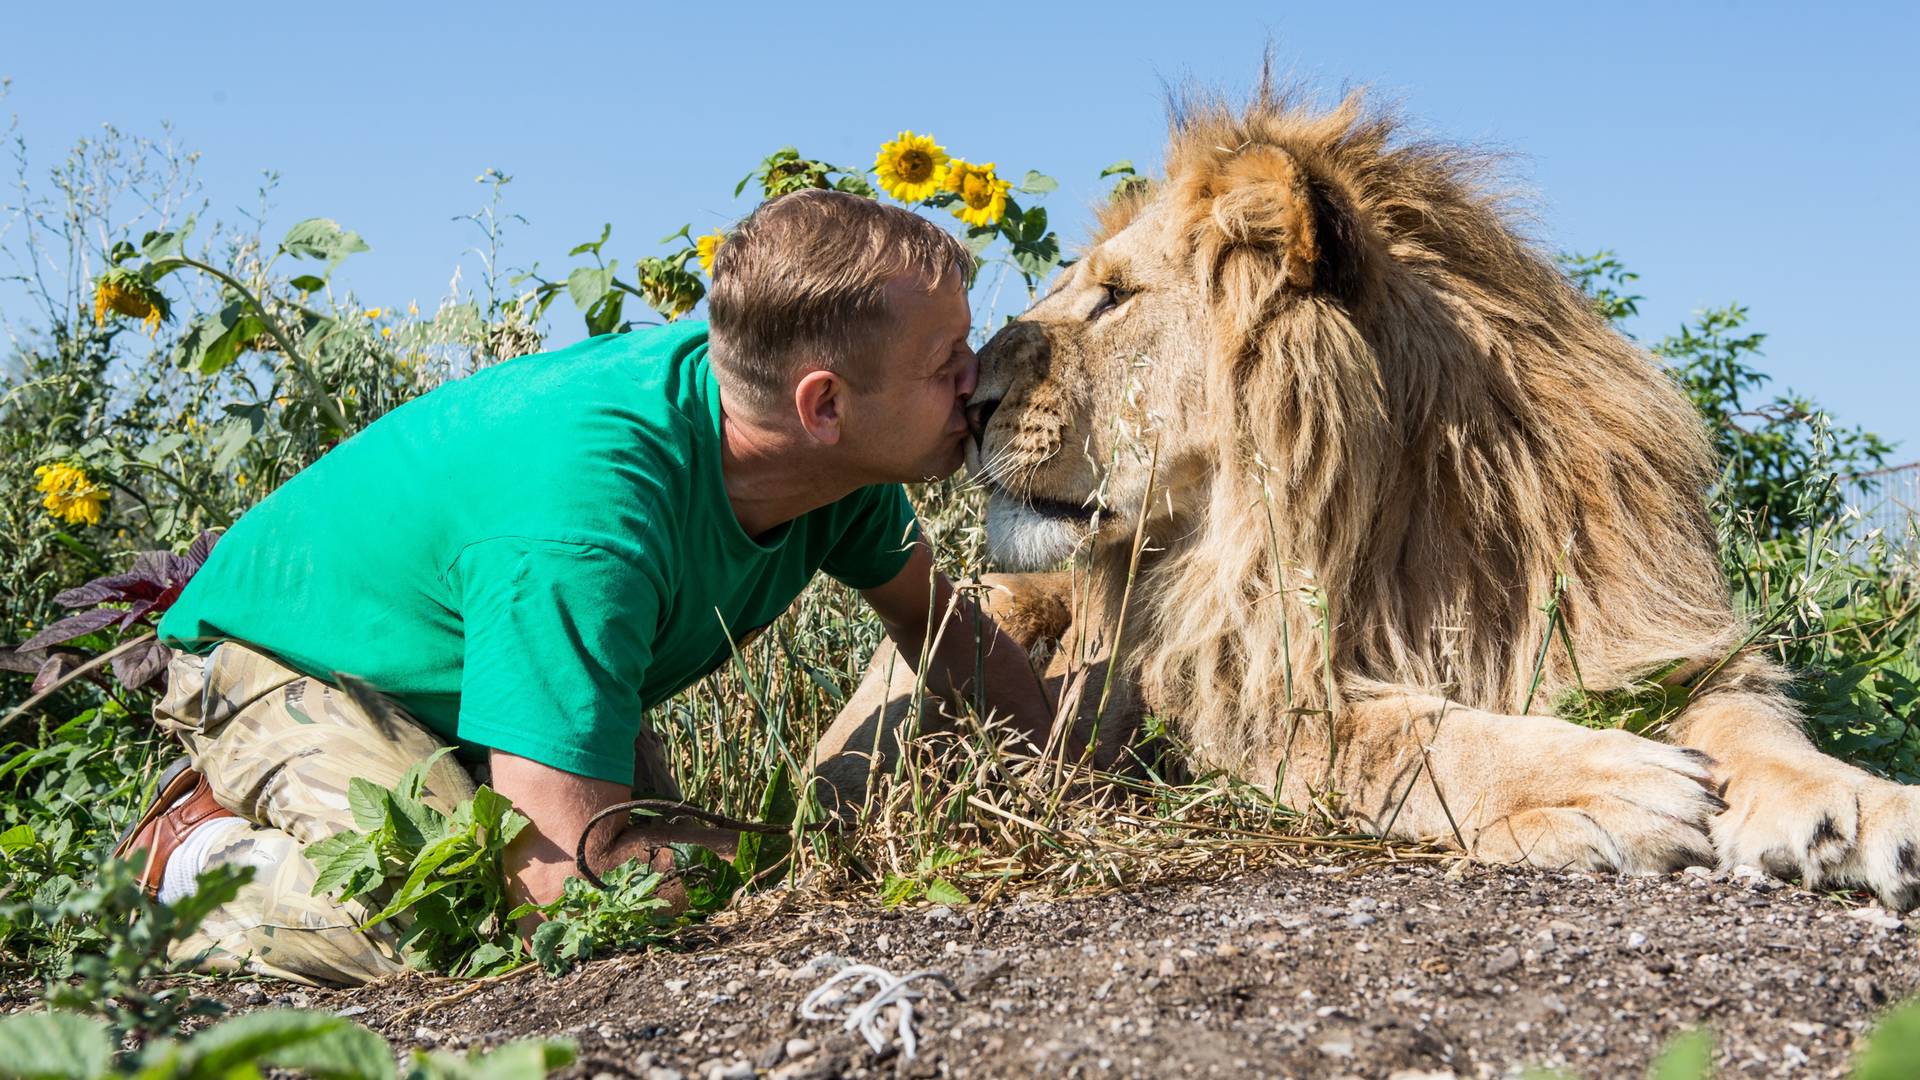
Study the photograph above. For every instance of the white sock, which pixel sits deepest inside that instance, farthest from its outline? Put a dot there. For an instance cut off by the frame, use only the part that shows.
(178, 880)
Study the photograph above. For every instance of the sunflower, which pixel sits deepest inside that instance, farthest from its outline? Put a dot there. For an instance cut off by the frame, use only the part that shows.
(71, 495)
(983, 195)
(912, 167)
(124, 292)
(708, 247)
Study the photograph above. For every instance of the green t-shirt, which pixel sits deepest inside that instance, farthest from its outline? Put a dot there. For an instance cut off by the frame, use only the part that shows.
(527, 558)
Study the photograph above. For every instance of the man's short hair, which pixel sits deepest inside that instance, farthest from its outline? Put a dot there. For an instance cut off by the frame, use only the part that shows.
(801, 283)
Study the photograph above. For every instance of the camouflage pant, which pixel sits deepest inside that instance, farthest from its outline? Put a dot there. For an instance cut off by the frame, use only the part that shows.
(279, 748)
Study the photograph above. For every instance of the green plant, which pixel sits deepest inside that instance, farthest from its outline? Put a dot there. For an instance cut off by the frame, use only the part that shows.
(925, 882)
(112, 976)
(67, 1046)
(447, 866)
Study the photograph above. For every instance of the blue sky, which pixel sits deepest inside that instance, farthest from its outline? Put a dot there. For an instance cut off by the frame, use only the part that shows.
(1754, 152)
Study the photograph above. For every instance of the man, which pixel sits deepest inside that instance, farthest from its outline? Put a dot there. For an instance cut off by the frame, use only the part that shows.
(520, 562)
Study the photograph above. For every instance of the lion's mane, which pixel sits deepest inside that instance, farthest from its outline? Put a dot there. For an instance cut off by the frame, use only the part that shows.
(1425, 450)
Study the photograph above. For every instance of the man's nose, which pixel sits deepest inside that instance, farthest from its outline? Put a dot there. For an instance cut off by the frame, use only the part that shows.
(970, 378)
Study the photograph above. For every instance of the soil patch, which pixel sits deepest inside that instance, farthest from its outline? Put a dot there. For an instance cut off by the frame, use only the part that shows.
(1324, 971)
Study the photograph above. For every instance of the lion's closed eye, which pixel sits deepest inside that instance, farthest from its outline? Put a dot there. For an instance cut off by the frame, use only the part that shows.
(1112, 295)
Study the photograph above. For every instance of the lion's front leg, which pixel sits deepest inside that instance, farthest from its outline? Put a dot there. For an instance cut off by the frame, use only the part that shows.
(1794, 811)
(1510, 789)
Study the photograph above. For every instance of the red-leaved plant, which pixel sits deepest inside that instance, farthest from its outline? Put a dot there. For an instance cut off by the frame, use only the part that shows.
(141, 595)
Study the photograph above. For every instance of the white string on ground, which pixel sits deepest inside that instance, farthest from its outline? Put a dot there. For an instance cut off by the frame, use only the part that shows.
(865, 1016)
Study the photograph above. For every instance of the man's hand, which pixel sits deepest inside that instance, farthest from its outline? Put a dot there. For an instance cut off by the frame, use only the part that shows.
(557, 806)
(911, 607)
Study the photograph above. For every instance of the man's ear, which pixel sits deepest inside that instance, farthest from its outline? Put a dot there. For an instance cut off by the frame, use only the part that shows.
(821, 398)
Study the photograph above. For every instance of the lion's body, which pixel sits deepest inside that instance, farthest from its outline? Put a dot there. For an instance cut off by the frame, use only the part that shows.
(1335, 447)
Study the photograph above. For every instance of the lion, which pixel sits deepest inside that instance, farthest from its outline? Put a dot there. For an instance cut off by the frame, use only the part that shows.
(1348, 449)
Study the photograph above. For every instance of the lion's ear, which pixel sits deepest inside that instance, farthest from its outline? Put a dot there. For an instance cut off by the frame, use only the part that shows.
(1278, 223)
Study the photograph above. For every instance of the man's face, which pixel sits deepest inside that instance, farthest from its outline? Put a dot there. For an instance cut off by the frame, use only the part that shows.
(910, 423)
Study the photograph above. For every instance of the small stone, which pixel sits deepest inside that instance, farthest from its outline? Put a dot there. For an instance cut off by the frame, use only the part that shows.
(799, 1048)
(663, 1072)
(298, 1000)
(426, 1035)
(1636, 940)
(351, 1010)
(1503, 961)
(734, 986)
(1168, 967)
(883, 943)
(770, 1055)
(1867, 992)
(674, 986)
(1363, 903)
(1876, 916)
(1361, 918)
(251, 994)
(1336, 1047)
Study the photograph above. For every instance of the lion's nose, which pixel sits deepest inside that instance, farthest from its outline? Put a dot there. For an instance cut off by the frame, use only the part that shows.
(978, 414)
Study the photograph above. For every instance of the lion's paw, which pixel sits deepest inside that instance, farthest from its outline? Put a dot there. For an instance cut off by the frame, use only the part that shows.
(1826, 822)
(1614, 802)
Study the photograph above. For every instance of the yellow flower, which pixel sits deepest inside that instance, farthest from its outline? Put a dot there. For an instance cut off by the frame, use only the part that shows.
(124, 292)
(386, 331)
(373, 313)
(912, 167)
(71, 495)
(413, 309)
(709, 246)
(240, 479)
(983, 195)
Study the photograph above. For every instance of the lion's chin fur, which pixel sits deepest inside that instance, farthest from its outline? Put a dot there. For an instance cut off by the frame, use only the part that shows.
(1021, 538)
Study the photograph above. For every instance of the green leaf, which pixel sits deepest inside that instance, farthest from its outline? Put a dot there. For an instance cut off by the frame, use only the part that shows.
(369, 802)
(759, 852)
(314, 1042)
(528, 1060)
(233, 435)
(348, 1052)
(604, 316)
(588, 284)
(157, 450)
(166, 243)
(308, 283)
(1891, 1047)
(896, 890)
(855, 184)
(942, 891)
(339, 859)
(1038, 259)
(18, 838)
(322, 238)
(979, 237)
(1123, 167)
(53, 1046)
(593, 246)
(1038, 183)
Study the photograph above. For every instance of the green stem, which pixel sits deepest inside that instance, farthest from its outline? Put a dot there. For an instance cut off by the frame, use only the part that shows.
(299, 362)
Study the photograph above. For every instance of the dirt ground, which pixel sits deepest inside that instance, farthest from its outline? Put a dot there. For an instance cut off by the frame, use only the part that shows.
(1386, 971)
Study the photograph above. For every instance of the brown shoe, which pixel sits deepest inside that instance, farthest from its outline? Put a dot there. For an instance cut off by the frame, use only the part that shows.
(161, 828)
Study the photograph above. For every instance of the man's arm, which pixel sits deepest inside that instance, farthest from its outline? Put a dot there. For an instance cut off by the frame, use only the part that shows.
(557, 806)
(911, 606)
